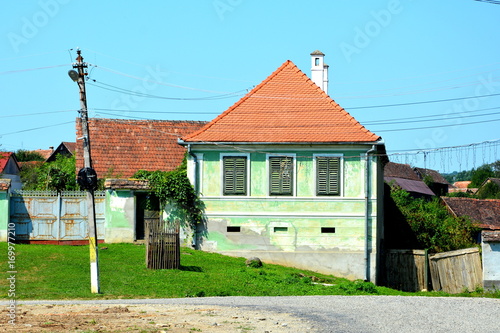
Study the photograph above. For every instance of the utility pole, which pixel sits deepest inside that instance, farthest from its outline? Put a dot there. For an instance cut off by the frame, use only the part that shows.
(87, 177)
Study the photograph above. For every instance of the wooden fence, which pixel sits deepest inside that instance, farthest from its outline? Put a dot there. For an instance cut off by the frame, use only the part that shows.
(162, 244)
(457, 270)
(452, 272)
(406, 270)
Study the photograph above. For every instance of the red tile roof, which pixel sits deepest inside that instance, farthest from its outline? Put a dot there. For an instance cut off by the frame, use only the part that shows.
(486, 212)
(398, 170)
(285, 107)
(4, 159)
(121, 147)
(45, 153)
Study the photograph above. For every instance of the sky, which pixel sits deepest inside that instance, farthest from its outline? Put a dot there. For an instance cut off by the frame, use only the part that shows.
(422, 74)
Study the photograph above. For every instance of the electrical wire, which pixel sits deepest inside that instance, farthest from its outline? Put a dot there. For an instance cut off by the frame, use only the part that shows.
(419, 102)
(374, 122)
(438, 126)
(425, 120)
(144, 95)
(157, 82)
(37, 128)
(32, 69)
(35, 114)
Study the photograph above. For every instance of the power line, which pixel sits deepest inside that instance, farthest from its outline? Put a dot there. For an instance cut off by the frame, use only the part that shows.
(157, 82)
(495, 2)
(35, 114)
(420, 102)
(139, 94)
(374, 122)
(438, 126)
(424, 120)
(32, 69)
(37, 128)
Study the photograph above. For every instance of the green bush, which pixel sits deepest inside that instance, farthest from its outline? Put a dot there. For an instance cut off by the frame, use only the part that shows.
(435, 228)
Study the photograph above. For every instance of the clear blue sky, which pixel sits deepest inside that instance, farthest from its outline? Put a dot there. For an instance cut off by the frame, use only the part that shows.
(379, 52)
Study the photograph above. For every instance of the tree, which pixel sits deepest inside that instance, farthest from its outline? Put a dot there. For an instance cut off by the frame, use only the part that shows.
(28, 156)
(480, 175)
(58, 175)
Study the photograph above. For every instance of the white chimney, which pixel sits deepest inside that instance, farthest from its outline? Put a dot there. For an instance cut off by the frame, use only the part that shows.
(319, 70)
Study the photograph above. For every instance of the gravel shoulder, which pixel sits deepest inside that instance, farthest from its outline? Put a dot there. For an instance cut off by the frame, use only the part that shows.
(261, 314)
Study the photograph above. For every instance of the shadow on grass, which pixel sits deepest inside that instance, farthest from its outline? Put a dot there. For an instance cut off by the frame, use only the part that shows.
(191, 268)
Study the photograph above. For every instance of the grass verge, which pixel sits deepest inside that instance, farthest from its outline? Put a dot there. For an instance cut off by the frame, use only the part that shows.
(63, 272)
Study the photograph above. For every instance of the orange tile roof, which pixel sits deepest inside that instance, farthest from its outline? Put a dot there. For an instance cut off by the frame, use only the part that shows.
(4, 159)
(285, 107)
(121, 147)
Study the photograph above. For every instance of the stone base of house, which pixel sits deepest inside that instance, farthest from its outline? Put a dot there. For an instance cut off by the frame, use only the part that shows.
(349, 265)
(491, 285)
(120, 235)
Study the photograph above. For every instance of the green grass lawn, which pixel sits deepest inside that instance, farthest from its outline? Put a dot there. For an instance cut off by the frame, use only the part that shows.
(63, 272)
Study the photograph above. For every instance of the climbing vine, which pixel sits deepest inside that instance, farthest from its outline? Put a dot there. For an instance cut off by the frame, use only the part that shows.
(174, 187)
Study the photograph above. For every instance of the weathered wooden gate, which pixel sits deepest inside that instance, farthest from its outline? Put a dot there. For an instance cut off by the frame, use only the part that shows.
(54, 217)
(162, 244)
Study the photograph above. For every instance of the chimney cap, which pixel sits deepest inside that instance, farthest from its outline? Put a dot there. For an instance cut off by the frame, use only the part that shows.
(317, 52)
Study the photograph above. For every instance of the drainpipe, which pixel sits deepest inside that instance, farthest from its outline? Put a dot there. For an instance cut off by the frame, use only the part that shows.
(367, 211)
(195, 181)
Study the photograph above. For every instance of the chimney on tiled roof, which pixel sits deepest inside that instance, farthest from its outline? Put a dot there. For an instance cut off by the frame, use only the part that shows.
(319, 70)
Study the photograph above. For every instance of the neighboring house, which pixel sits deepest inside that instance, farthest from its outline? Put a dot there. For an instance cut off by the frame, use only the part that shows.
(287, 175)
(434, 180)
(403, 176)
(487, 214)
(490, 188)
(45, 153)
(462, 186)
(9, 169)
(65, 148)
(120, 147)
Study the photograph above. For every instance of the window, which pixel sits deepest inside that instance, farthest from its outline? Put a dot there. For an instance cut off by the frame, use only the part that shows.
(235, 175)
(316, 61)
(327, 175)
(327, 230)
(281, 175)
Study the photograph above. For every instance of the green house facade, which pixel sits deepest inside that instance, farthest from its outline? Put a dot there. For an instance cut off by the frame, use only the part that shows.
(289, 176)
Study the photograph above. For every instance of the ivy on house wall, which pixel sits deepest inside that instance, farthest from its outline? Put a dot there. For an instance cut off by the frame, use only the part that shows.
(174, 187)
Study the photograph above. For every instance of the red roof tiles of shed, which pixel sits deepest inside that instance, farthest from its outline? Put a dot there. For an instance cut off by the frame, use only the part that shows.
(285, 107)
(486, 212)
(120, 147)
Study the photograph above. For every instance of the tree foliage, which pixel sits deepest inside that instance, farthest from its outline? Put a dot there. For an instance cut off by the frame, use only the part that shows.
(28, 156)
(58, 175)
(435, 228)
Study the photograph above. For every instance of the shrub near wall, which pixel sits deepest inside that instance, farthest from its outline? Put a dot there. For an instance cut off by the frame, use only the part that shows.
(434, 227)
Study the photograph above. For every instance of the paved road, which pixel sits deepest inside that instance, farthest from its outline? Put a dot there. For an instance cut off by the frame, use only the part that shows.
(357, 313)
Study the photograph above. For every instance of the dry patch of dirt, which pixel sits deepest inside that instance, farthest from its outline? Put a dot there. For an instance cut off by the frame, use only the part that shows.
(149, 318)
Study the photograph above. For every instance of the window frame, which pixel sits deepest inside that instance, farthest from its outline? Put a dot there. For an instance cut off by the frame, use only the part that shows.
(294, 174)
(341, 174)
(247, 174)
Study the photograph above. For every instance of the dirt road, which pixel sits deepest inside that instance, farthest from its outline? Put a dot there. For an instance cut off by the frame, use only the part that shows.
(148, 318)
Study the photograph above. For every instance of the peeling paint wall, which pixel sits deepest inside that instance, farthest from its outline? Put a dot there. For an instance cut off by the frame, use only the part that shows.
(321, 233)
(120, 216)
